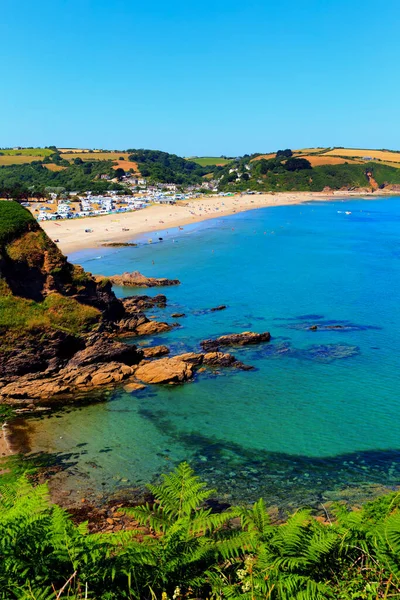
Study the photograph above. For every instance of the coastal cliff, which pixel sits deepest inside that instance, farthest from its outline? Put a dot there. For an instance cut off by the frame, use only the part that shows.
(59, 325)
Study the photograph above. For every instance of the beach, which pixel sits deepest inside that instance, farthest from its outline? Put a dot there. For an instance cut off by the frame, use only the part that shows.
(122, 227)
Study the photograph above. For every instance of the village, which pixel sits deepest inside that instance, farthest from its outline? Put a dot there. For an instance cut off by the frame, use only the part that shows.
(138, 194)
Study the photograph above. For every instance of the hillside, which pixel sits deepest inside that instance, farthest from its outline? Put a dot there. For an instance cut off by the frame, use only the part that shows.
(289, 170)
(43, 297)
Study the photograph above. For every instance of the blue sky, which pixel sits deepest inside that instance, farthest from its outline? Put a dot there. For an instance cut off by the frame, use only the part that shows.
(200, 78)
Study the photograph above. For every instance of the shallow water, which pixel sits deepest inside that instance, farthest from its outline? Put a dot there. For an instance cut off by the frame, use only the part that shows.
(317, 419)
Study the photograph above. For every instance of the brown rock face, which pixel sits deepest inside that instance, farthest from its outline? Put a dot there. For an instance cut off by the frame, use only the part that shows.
(152, 327)
(106, 350)
(155, 351)
(236, 339)
(164, 370)
(138, 303)
(219, 359)
(136, 279)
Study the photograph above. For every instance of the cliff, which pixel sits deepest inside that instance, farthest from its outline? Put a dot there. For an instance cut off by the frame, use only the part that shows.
(47, 305)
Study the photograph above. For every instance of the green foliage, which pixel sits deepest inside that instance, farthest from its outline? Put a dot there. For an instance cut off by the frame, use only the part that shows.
(163, 167)
(210, 161)
(21, 315)
(276, 175)
(23, 181)
(14, 221)
(184, 550)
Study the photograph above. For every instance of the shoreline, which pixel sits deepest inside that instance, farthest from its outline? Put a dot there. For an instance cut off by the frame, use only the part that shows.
(125, 227)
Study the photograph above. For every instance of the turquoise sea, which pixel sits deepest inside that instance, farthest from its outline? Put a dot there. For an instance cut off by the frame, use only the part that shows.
(317, 420)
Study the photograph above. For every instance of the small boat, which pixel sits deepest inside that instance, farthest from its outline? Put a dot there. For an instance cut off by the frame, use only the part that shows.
(348, 212)
(160, 239)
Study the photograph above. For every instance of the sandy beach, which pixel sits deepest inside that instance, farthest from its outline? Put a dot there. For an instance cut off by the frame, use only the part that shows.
(70, 234)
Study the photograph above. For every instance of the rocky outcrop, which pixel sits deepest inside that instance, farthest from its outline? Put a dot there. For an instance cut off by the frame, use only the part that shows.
(136, 279)
(139, 303)
(236, 339)
(153, 327)
(155, 351)
(66, 382)
(37, 351)
(219, 359)
(164, 370)
(106, 350)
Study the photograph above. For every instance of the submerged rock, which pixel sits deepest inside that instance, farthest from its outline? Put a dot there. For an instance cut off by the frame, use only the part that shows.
(236, 339)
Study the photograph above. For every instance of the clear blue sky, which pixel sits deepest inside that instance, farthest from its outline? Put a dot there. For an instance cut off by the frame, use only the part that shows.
(206, 78)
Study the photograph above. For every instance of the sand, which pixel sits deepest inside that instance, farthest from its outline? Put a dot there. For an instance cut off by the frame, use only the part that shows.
(70, 234)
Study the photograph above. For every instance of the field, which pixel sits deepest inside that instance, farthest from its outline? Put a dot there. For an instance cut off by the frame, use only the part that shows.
(322, 159)
(386, 155)
(28, 152)
(96, 155)
(17, 160)
(126, 165)
(53, 167)
(265, 156)
(209, 161)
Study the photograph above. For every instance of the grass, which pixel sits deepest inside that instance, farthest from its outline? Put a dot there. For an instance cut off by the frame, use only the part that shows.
(53, 167)
(55, 312)
(14, 221)
(17, 160)
(209, 161)
(38, 152)
(96, 155)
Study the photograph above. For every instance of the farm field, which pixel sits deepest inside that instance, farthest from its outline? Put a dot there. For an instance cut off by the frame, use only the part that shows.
(95, 155)
(378, 154)
(208, 161)
(317, 160)
(126, 165)
(7, 160)
(265, 156)
(35, 152)
(53, 167)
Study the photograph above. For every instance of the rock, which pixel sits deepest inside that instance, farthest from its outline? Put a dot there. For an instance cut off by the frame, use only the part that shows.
(105, 350)
(136, 279)
(132, 322)
(221, 307)
(164, 370)
(137, 303)
(155, 351)
(177, 315)
(214, 359)
(133, 387)
(119, 244)
(236, 339)
(192, 358)
(153, 327)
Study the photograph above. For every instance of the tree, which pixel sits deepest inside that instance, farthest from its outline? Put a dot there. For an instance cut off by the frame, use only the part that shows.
(284, 153)
(119, 173)
(297, 164)
(78, 161)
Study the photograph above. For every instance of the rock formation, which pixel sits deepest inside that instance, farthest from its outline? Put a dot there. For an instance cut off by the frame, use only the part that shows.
(236, 339)
(136, 279)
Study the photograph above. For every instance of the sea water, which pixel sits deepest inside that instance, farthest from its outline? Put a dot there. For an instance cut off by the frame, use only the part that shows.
(318, 417)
